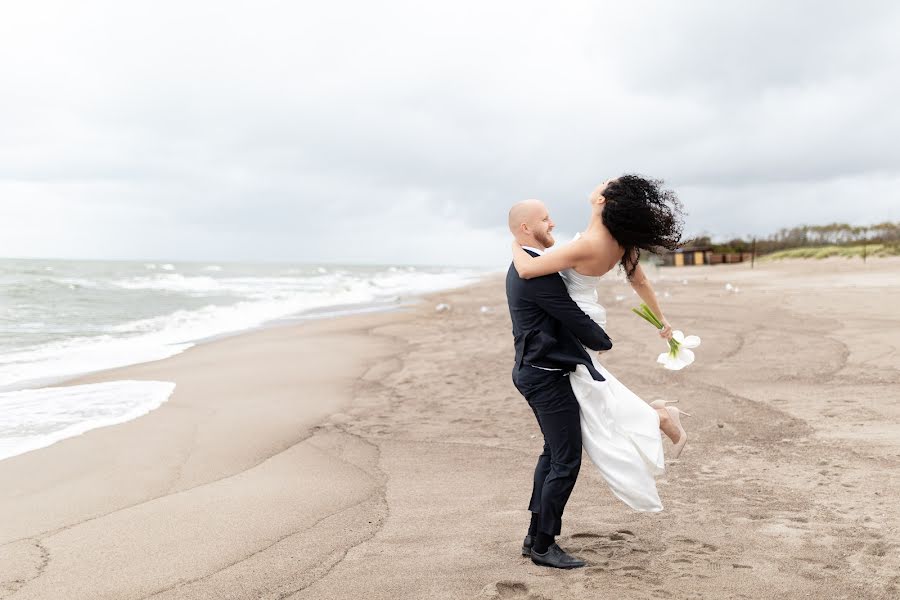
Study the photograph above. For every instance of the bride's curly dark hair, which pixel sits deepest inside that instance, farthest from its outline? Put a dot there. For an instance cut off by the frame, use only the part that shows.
(642, 215)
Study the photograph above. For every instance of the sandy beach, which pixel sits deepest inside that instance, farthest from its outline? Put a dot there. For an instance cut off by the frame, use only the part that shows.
(388, 455)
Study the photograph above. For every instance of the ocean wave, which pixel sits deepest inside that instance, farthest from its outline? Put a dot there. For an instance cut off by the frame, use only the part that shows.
(174, 282)
(106, 340)
(33, 419)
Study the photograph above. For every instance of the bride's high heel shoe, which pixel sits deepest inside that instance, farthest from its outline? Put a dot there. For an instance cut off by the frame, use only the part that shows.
(662, 403)
(674, 413)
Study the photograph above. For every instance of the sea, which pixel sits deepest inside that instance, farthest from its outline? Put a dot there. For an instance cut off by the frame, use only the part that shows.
(62, 318)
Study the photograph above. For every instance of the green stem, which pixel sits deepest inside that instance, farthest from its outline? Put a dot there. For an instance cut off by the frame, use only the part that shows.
(655, 319)
(646, 310)
(644, 317)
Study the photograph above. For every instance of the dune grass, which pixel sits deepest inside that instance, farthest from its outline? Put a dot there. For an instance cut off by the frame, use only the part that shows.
(872, 250)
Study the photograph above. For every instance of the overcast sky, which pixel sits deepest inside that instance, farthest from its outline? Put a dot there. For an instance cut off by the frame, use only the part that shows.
(401, 132)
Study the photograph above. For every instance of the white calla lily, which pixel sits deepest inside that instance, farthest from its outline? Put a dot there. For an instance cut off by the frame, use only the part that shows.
(691, 341)
(679, 355)
(676, 360)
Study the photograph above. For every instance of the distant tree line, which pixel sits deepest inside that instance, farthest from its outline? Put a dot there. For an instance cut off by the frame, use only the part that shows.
(834, 234)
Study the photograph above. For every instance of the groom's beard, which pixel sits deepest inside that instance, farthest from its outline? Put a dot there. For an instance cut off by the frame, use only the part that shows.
(545, 239)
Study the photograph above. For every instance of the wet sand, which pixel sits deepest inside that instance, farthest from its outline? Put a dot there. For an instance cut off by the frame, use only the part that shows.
(389, 456)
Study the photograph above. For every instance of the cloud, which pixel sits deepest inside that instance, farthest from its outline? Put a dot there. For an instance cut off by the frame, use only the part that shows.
(384, 132)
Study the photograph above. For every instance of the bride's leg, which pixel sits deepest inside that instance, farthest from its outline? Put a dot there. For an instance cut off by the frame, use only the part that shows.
(668, 425)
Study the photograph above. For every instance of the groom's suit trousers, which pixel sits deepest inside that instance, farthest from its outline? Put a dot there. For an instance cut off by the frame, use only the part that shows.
(550, 396)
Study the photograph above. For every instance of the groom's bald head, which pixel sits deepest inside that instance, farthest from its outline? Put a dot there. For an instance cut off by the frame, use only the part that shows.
(530, 224)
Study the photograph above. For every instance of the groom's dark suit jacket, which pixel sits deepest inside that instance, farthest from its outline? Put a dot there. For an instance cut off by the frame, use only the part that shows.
(549, 330)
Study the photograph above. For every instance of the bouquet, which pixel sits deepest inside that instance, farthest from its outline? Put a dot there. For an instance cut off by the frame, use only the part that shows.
(679, 355)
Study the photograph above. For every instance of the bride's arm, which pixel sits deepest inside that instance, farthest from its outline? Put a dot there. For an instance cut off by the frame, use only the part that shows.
(529, 266)
(641, 285)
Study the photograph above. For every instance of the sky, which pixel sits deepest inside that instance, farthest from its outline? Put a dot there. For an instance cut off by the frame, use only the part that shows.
(401, 132)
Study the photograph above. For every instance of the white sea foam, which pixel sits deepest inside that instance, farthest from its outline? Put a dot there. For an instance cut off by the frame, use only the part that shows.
(73, 356)
(88, 316)
(76, 282)
(32, 419)
(172, 282)
(256, 300)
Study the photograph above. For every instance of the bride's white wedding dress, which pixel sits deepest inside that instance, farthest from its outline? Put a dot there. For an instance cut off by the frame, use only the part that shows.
(619, 431)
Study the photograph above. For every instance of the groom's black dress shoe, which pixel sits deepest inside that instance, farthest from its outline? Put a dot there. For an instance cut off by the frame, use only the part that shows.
(526, 545)
(555, 557)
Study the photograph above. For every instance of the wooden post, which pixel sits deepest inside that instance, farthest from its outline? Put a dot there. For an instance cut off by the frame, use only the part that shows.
(753, 254)
(865, 244)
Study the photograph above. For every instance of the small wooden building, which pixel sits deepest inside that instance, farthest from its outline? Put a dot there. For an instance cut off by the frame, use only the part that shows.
(716, 258)
(689, 255)
(702, 255)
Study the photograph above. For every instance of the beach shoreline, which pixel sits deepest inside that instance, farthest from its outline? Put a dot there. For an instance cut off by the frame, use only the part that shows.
(328, 312)
(387, 455)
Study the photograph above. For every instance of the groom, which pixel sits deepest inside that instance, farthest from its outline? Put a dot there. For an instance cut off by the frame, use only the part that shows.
(550, 333)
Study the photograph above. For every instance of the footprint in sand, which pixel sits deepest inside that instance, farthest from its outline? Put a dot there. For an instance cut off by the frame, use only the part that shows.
(696, 547)
(510, 590)
(691, 558)
(619, 551)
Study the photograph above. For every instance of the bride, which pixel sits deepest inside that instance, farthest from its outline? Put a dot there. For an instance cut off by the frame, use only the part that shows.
(620, 432)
